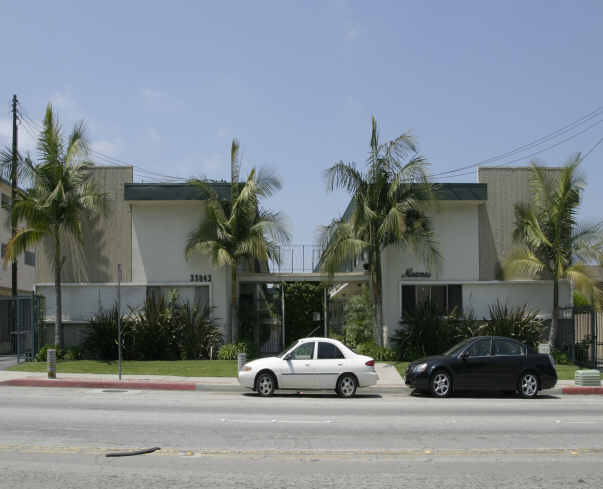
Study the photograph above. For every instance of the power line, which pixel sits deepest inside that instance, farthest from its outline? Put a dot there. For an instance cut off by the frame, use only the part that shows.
(537, 142)
(525, 157)
(592, 149)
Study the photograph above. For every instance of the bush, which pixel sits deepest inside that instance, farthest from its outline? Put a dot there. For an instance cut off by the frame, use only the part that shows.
(514, 322)
(359, 319)
(101, 340)
(161, 330)
(560, 357)
(379, 353)
(197, 333)
(231, 350)
(73, 353)
(427, 331)
(580, 300)
(42, 353)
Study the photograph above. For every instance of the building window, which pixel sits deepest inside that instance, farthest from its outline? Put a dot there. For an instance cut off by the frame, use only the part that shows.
(446, 298)
(30, 258)
(5, 201)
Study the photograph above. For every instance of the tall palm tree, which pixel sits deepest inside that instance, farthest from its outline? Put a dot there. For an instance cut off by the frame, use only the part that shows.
(239, 232)
(390, 199)
(550, 244)
(60, 197)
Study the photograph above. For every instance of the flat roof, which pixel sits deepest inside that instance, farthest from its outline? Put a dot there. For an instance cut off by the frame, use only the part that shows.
(173, 191)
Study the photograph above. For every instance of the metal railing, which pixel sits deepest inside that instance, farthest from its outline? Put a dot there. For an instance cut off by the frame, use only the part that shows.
(297, 258)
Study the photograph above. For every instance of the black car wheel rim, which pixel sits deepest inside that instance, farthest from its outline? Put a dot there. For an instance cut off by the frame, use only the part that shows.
(441, 384)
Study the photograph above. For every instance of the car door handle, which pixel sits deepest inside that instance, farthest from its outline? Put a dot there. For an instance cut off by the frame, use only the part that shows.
(307, 364)
(340, 364)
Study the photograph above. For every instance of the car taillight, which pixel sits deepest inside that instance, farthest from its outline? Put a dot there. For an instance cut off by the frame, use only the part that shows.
(370, 363)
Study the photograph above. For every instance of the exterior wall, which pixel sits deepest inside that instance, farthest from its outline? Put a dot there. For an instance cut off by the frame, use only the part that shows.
(81, 301)
(159, 233)
(506, 187)
(26, 274)
(537, 294)
(456, 229)
(107, 238)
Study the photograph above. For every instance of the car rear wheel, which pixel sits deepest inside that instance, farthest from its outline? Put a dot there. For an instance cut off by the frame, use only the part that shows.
(265, 384)
(441, 384)
(346, 386)
(528, 385)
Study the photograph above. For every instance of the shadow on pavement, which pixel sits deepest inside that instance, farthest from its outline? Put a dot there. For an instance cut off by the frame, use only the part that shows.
(313, 395)
(482, 395)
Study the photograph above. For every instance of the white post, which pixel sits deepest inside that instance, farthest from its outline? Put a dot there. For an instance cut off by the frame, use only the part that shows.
(51, 359)
(325, 314)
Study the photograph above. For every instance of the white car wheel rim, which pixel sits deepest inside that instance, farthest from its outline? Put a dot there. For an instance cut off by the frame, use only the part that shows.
(529, 385)
(265, 385)
(347, 386)
(441, 384)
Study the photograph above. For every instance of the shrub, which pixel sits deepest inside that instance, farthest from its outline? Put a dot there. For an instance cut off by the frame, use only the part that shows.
(42, 353)
(73, 353)
(101, 340)
(514, 322)
(560, 357)
(580, 300)
(426, 331)
(197, 333)
(231, 350)
(379, 353)
(359, 319)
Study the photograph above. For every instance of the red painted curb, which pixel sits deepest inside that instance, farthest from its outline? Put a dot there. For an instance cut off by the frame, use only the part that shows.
(167, 386)
(583, 390)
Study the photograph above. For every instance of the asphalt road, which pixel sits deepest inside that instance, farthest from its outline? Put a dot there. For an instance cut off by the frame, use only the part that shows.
(57, 438)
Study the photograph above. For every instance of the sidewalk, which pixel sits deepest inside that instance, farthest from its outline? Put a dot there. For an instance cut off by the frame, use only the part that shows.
(389, 379)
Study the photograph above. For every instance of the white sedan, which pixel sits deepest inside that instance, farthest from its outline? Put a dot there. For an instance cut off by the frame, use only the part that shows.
(311, 364)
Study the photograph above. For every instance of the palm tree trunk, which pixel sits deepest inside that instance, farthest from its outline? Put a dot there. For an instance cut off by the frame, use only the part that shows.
(379, 300)
(555, 318)
(234, 327)
(58, 324)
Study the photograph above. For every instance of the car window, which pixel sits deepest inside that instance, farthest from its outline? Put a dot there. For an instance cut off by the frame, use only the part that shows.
(304, 351)
(480, 348)
(506, 347)
(328, 351)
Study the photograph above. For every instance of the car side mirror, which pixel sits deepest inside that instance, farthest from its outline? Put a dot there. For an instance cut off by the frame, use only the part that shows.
(288, 357)
(465, 355)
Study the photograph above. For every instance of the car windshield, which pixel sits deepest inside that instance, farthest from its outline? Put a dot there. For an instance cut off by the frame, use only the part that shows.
(457, 348)
(291, 345)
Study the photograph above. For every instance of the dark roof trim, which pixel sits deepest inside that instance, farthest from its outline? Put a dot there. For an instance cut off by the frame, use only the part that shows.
(446, 191)
(172, 191)
(461, 191)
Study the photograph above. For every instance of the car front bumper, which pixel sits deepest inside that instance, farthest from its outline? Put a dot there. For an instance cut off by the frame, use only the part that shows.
(247, 379)
(417, 380)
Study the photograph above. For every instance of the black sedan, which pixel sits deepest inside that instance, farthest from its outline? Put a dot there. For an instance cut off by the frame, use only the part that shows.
(484, 363)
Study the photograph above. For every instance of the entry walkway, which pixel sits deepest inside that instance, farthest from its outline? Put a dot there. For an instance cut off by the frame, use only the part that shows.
(7, 361)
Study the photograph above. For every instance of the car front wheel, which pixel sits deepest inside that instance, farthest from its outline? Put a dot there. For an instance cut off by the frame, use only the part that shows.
(441, 384)
(265, 385)
(346, 386)
(528, 385)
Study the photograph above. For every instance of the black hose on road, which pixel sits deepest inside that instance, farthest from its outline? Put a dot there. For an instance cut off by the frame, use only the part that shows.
(129, 454)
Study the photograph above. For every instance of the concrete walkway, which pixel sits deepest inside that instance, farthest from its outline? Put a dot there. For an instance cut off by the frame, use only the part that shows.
(7, 361)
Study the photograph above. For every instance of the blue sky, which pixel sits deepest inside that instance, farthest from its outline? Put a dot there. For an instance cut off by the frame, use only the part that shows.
(167, 85)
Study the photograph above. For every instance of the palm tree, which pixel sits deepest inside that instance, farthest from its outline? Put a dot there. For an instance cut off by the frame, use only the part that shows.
(61, 196)
(390, 199)
(240, 232)
(550, 244)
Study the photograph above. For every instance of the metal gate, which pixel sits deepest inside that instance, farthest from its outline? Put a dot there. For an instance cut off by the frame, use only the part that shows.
(20, 317)
(580, 335)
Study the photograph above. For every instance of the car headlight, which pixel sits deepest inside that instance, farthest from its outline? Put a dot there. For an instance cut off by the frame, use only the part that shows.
(420, 368)
(246, 368)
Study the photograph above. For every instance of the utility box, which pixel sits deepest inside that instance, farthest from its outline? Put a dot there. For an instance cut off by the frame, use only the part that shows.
(588, 378)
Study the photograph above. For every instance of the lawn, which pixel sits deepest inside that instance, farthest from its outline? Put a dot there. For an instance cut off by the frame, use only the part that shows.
(564, 372)
(180, 368)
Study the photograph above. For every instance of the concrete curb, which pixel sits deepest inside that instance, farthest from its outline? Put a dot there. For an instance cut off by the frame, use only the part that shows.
(583, 390)
(102, 384)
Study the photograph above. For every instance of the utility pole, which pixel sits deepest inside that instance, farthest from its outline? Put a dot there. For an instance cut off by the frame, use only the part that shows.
(13, 184)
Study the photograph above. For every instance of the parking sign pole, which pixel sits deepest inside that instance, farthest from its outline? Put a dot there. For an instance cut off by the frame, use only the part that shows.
(119, 321)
